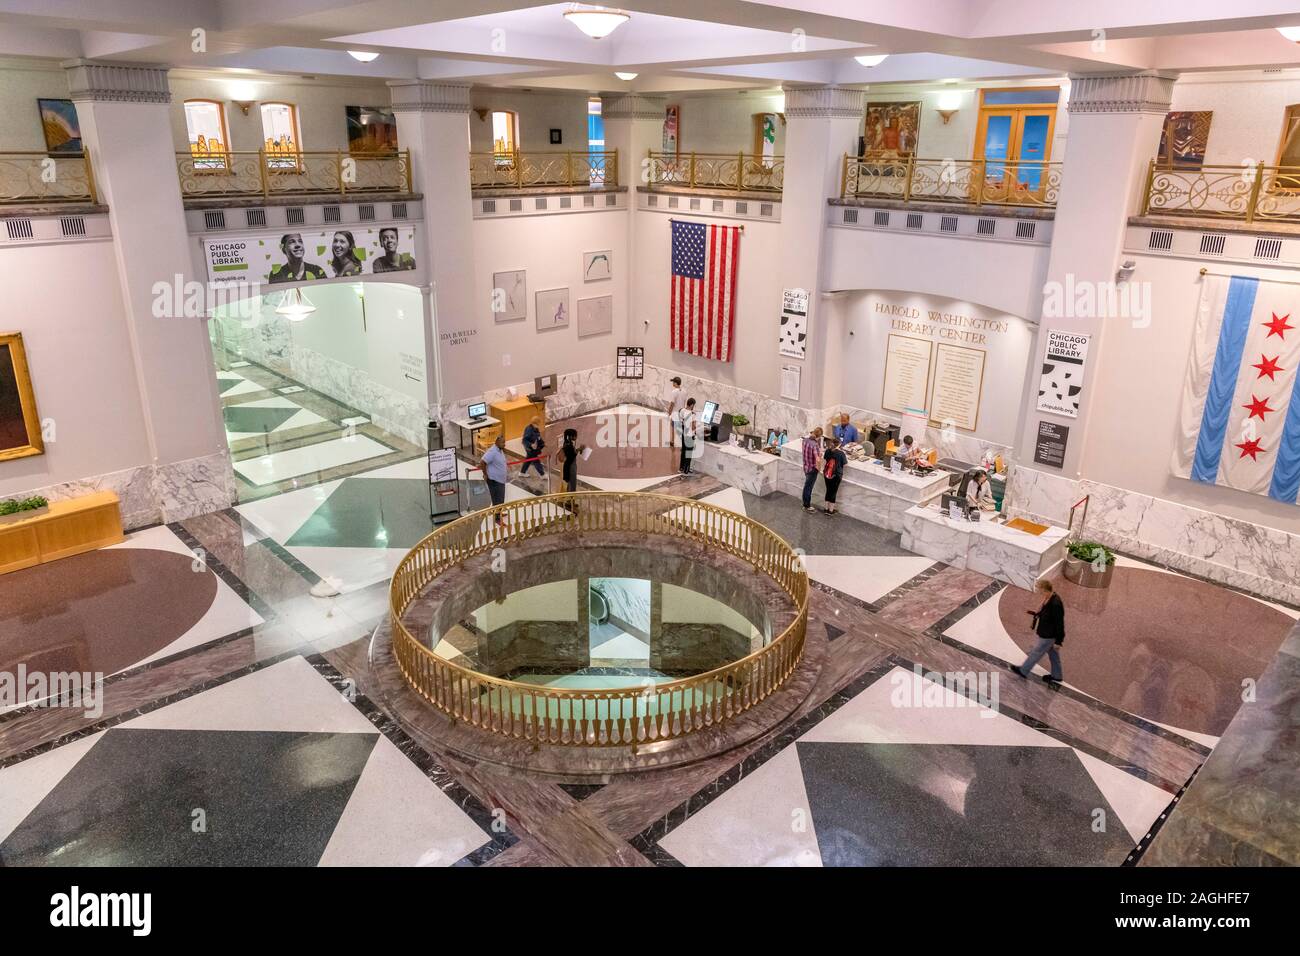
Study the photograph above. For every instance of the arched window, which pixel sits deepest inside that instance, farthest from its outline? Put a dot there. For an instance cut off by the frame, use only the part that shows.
(505, 136)
(205, 124)
(280, 136)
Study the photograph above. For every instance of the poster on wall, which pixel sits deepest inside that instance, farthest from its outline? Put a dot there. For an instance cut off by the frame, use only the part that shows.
(1049, 449)
(60, 126)
(310, 256)
(1184, 139)
(672, 130)
(765, 138)
(794, 323)
(631, 362)
(790, 376)
(907, 373)
(958, 383)
(891, 130)
(1061, 381)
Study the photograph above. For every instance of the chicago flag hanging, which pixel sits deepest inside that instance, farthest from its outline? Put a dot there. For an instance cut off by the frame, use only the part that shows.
(702, 308)
(1241, 401)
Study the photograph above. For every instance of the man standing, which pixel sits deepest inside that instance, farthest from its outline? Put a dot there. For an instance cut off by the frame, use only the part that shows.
(688, 422)
(675, 407)
(812, 456)
(495, 469)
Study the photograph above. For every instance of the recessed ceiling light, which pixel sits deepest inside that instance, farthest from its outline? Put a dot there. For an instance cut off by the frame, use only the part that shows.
(363, 55)
(626, 76)
(596, 22)
(1291, 33)
(874, 60)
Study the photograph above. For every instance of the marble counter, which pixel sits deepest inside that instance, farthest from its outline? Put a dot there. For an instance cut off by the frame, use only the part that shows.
(868, 492)
(988, 546)
(752, 471)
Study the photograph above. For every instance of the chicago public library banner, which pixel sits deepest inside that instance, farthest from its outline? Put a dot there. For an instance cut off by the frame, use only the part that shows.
(310, 255)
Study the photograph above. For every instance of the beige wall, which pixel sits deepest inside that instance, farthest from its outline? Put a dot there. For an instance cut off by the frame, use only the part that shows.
(21, 84)
(724, 122)
(539, 113)
(1248, 112)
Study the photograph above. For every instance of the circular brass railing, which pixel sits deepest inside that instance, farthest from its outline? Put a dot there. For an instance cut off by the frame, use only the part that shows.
(617, 717)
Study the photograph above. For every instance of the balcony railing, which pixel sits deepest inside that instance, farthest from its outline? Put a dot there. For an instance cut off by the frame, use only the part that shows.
(520, 170)
(1244, 193)
(38, 177)
(975, 182)
(247, 174)
(742, 172)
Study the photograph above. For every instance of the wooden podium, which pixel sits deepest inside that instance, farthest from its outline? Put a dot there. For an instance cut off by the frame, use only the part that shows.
(69, 527)
(515, 415)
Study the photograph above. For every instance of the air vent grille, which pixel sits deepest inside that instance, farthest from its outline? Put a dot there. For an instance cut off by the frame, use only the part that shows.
(214, 219)
(915, 220)
(986, 227)
(652, 201)
(366, 211)
(399, 210)
(566, 202)
(72, 225)
(255, 217)
(589, 201)
(1212, 244)
(516, 205)
(295, 215)
(717, 205)
(695, 203)
(1162, 240)
(672, 202)
(742, 209)
(850, 217)
(489, 205)
(18, 228)
(765, 209)
(1026, 229)
(882, 217)
(947, 223)
(333, 214)
(1268, 248)
(611, 200)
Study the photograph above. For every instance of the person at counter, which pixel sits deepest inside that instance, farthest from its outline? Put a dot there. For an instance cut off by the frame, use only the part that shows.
(845, 431)
(909, 450)
(833, 472)
(812, 459)
(979, 494)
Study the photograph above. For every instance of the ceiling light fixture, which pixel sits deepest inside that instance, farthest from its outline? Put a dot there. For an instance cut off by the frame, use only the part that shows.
(1291, 33)
(596, 22)
(874, 60)
(626, 76)
(295, 306)
(365, 56)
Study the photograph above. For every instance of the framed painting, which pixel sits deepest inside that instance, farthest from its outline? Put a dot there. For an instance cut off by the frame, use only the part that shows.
(596, 265)
(20, 425)
(891, 130)
(1184, 139)
(371, 129)
(510, 295)
(59, 123)
(552, 309)
(595, 316)
(672, 130)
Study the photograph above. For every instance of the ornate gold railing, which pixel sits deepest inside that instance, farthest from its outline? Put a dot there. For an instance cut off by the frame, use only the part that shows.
(234, 173)
(598, 718)
(739, 171)
(38, 177)
(1246, 193)
(975, 182)
(519, 170)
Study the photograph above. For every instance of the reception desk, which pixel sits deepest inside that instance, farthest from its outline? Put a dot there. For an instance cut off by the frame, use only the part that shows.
(869, 492)
(752, 471)
(988, 546)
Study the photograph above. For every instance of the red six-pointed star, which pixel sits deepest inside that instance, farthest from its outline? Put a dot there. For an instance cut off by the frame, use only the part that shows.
(1267, 366)
(1278, 326)
(1258, 407)
(1250, 448)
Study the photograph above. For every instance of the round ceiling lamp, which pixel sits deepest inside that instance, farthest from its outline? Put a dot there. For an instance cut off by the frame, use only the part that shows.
(364, 56)
(295, 306)
(596, 22)
(874, 60)
(1291, 33)
(626, 76)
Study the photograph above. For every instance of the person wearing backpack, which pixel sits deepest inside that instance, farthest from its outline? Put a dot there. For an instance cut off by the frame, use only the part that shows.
(833, 472)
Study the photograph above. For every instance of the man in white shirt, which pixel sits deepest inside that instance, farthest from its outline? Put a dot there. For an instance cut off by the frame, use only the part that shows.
(688, 428)
(675, 407)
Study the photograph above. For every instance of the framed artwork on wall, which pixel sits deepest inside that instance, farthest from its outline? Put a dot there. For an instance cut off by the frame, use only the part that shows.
(596, 265)
(510, 295)
(1184, 139)
(60, 126)
(557, 137)
(672, 130)
(891, 130)
(595, 315)
(552, 309)
(371, 129)
(20, 425)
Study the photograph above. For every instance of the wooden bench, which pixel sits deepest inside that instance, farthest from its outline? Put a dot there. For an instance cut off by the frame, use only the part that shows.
(69, 527)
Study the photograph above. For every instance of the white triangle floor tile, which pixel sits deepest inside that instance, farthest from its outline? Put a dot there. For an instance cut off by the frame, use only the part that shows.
(866, 577)
(24, 785)
(1137, 802)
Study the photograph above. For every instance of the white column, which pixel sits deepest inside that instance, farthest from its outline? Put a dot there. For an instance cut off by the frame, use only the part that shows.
(123, 112)
(1115, 123)
(433, 122)
(821, 126)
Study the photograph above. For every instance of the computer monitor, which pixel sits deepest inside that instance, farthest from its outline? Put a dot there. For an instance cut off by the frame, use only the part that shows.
(710, 414)
(478, 410)
(543, 386)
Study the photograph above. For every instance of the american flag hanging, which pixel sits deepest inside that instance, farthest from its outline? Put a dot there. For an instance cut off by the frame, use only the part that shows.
(703, 304)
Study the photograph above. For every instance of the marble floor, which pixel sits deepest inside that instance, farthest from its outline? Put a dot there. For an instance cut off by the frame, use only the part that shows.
(239, 719)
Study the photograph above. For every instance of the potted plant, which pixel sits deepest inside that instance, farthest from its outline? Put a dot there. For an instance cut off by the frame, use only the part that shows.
(19, 509)
(1089, 564)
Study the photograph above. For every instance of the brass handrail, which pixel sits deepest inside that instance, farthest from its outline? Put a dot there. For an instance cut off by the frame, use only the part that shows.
(976, 182)
(1246, 193)
(518, 169)
(740, 171)
(266, 173)
(598, 718)
(32, 176)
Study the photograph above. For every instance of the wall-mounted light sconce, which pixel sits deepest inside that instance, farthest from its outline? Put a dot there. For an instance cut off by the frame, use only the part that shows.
(1126, 270)
(244, 105)
(949, 104)
(482, 115)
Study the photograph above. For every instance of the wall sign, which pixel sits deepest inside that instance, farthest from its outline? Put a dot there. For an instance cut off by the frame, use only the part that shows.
(907, 373)
(1061, 383)
(790, 376)
(1049, 449)
(794, 323)
(958, 383)
(310, 256)
(631, 362)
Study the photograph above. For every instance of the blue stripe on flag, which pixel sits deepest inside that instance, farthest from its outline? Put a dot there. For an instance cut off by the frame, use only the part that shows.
(1223, 379)
(1285, 485)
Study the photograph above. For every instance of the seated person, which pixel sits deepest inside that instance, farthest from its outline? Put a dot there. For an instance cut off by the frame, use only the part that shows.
(909, 450)
(979, 493)
(846, 431)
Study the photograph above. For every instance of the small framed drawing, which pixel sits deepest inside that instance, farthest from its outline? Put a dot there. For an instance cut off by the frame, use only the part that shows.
(595, 315)
(509, 296)
(552, 309)
(556, 137)
(597, 265)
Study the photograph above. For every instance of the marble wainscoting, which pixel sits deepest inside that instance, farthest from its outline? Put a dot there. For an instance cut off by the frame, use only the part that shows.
(134, 488)
(576, 394)
(393, 411)
(752, 471)
(763, 411)
(1263, 561)
(950, 444)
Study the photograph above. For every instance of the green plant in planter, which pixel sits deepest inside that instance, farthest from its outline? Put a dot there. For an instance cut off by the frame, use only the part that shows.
(11, 506)
(1094, 552)
(739, 421)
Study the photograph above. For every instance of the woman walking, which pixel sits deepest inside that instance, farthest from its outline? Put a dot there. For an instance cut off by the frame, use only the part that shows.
(1048, 623)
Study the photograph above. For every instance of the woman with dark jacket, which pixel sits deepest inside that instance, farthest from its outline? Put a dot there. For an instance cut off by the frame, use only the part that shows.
(569, 453)
(1048, 623)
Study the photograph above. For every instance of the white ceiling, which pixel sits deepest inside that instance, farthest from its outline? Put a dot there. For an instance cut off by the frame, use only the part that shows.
(671, 44)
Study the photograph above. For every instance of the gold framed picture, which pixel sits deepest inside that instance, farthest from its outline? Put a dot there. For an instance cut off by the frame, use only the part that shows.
(20, 425)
